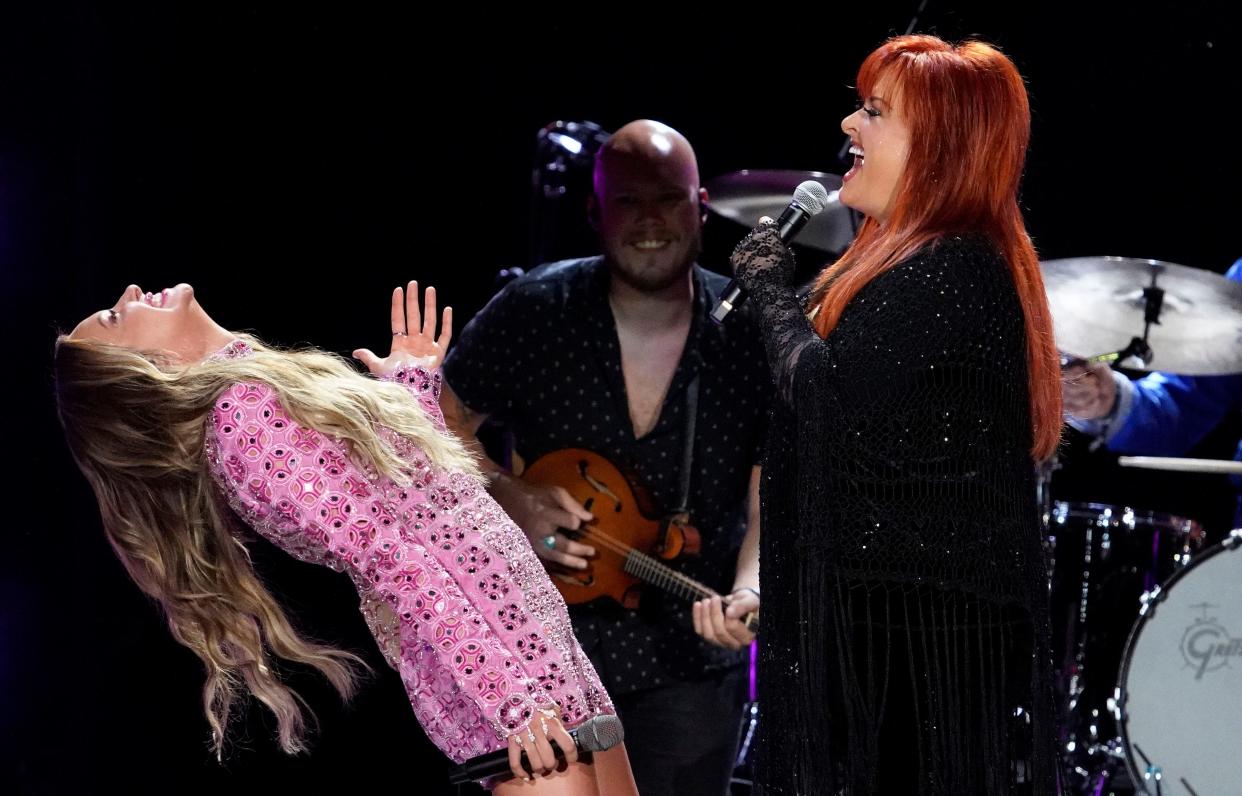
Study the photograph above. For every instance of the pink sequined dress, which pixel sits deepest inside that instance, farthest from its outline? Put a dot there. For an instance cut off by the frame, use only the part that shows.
(460, 605)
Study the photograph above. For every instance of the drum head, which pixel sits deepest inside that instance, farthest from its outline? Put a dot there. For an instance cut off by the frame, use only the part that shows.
(1181, 680)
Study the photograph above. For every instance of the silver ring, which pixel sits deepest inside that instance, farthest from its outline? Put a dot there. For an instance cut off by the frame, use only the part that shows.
(549, 541)
(398, 334)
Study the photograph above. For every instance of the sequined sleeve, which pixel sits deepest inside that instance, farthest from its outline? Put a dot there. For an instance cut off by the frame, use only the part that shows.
(425, 386)
(458, 603)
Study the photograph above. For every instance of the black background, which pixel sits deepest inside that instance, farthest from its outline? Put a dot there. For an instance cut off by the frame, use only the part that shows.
(296, 163)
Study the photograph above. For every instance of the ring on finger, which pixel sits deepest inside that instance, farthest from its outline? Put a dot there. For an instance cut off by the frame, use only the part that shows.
(549, 541)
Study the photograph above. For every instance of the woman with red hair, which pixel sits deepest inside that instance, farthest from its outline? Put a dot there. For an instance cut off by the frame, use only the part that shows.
(905, 630)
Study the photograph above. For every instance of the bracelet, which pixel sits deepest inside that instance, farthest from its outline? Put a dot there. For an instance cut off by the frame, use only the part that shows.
(750, 589)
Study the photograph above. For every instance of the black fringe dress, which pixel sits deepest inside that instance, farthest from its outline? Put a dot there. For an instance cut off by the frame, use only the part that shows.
(904, 644)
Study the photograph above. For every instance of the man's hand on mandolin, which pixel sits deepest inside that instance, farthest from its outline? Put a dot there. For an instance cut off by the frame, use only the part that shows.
(543, 512)
(720, 620)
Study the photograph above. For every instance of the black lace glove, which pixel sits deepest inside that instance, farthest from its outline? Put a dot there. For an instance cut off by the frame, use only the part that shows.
(764, 266)
(762, 259)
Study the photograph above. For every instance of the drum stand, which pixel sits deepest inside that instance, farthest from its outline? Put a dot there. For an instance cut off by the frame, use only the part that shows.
(1103, 757)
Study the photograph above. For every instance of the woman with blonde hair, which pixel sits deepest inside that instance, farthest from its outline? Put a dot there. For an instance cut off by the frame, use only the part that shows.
(905, 628)
(188, 434)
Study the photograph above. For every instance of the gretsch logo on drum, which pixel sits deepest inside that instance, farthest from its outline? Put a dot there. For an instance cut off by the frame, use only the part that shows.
(1206, 645)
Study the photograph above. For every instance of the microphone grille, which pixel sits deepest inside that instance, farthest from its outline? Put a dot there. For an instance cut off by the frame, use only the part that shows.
(811, 196)
(600, 733)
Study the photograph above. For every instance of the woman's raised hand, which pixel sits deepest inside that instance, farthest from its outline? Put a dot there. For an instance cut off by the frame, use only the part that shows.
(414, 340)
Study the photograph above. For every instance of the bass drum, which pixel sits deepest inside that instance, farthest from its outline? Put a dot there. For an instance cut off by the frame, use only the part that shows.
(1104, 558)
(1179, 698)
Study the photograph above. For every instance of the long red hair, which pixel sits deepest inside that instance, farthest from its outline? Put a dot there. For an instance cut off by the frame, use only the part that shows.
(970, 122)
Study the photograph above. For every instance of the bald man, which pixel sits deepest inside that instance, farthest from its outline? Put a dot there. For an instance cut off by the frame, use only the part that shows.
(613, 354)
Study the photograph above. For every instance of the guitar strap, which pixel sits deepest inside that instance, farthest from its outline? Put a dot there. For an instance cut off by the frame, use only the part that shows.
(687, 453)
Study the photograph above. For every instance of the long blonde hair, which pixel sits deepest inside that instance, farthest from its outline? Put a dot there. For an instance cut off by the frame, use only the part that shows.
(135, 425)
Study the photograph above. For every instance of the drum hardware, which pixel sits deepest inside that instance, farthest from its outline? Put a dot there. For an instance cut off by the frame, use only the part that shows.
(1177, 696)
(1178, 319)
(1134, 356)
(1103, 558)
(1124, 708)
(1043, 492)
(1179, 464)
(743, 197)
(1153, 775)
(1147, 602)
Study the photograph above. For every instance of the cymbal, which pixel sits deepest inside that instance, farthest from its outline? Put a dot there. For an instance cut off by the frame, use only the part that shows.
(1098, 307)
(744, 196)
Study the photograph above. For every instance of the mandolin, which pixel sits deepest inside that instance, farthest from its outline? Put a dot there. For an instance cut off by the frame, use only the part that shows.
(631, 540)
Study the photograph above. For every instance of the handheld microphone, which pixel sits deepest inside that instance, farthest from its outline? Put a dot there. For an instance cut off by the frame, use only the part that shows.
(593, 735)
(809, 198)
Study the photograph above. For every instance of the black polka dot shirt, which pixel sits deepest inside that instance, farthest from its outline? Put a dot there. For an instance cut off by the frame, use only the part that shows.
(543, 358)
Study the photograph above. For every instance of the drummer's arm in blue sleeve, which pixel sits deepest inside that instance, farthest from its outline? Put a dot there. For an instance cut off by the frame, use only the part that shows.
(1167, 415)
